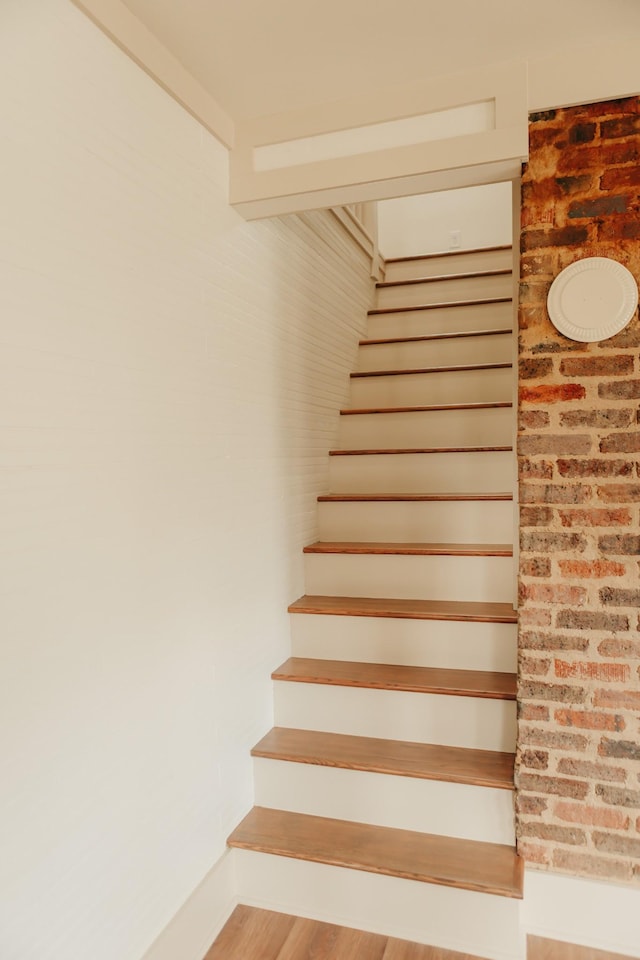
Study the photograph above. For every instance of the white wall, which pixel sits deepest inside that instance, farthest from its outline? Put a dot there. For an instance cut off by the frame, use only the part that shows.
(410, 226)
(170, 381)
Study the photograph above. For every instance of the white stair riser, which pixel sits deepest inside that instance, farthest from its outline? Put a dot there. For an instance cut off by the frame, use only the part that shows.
(449, 644)
(484, 426)
(480, 924)
(468, 262)
(452, 721)
(424, 389)
(492, 348)
(421, 473)
(432, 521)
(409, 803)
(422, 323)
(408, 577)
(445, 291)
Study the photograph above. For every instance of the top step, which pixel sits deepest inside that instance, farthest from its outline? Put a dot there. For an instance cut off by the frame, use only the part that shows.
(442, 264)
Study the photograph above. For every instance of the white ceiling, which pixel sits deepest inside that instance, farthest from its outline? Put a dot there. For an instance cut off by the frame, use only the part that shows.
(259, 57)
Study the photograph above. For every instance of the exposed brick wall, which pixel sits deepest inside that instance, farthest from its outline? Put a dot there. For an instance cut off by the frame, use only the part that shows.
(578, 769)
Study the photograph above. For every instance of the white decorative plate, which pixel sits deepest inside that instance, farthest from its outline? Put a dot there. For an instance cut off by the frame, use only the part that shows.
(592, 299)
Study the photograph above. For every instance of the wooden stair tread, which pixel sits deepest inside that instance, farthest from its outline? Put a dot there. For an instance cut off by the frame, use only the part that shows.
(487, 684)
(429, 408)
(436, 336)
(408, 497)
(466, 864)
(375, 311)
(393, 608)
(426, 761)
(448, 253)
(455, 368)
(408, 450)
(467, 275)
(387, 548)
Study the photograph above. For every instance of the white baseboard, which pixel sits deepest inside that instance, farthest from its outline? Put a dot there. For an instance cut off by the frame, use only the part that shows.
(604, 916)
(191, 932)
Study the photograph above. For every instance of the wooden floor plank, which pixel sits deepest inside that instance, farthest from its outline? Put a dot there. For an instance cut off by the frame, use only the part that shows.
(426, 761)
(539, 948)
(448, 254)
(392, 607)
(383, 676)
(438, 278)
(411, 549)
(448, 861)
(310, 940)
(252, 935)
(405, 950)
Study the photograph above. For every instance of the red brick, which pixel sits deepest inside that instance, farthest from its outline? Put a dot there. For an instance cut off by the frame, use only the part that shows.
(619, 749)
(535, 469)
(555, 237)
(621, 544)
(613, 597)
(534, 759)
(619, 127)
(616, 843)
(597, 366)
(618, 796)
(617, 699)
(554, 493)
(553, 831)
(554, 593)
(599, 207)
(582, 863)
(534, 368)
(582, 132)
(552, 393)
(535, 567)
(533, 419)
(534, 666)
(620, 648)
(532, 711)
(590, 770)
(587, 670)
(534, 617)
(564, 444)
(621, 443)
(591, 816)
(619, 229)
(538, 541)
(596, 418)
(533, 852)
(535, 516)
(621, 178)
(528, 804)
(595, 468)
(554, 786)
(591, 569)
(591, 620)
(619, 493)
(620, 390)
(588, 720)
(595, 517)
(554, 739)
(562, 693)
(536, 640)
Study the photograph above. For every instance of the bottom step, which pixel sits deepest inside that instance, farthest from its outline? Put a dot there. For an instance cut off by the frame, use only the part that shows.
(254, 934)
(479, 924)
(468, 864)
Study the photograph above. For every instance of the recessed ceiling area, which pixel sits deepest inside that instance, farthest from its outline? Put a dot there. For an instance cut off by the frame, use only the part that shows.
(258, 57)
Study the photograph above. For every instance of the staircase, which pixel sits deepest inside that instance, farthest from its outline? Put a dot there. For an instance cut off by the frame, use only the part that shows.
(385, 792)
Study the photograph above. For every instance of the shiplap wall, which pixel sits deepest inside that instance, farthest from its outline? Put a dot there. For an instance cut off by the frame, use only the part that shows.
(170, 379)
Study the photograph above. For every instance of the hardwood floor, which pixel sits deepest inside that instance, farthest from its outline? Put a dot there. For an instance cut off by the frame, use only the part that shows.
(539, 948)
(252, 934)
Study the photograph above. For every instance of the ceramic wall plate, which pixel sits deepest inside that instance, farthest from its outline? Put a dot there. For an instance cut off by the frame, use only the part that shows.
(592, 299)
